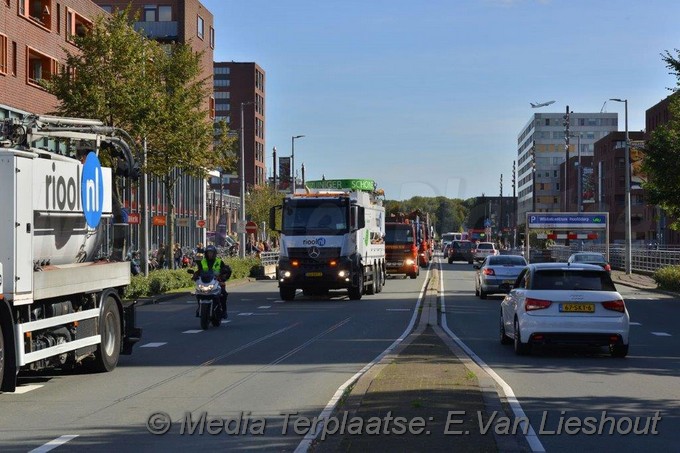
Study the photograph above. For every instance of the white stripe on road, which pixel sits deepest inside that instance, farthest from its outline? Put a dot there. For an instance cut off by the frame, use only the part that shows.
(244, 314)
(265, 306)
(153, 345)
(634, 323)
(279, 301)
(192, 331)
(54, 443)
(531, 437)
(226, 321)
(26, 388)
(661, 334)
(398, 309)
(306, 442)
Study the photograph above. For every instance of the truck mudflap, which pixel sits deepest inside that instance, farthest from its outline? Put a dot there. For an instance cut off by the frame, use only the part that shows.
(131, 333)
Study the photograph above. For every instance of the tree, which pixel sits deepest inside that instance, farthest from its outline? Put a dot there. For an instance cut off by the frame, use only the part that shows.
(258, 202)
(662, 154)
(108, 78)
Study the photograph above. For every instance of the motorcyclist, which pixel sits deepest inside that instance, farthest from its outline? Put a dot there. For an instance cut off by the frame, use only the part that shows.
(212, 262)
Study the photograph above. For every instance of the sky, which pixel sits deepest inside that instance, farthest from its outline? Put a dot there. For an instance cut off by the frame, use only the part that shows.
(428, 97)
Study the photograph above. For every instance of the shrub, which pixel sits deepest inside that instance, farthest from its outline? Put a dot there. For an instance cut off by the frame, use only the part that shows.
(668, 278)
(138, 287)
(242, 268)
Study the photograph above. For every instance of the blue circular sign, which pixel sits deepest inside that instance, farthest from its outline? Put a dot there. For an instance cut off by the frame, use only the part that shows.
(92, 190)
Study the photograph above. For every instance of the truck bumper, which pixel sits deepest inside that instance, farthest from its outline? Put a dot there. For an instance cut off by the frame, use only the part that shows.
(326, 276)
(131, 333)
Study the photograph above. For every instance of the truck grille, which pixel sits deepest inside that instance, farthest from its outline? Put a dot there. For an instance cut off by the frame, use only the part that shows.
(307, 256)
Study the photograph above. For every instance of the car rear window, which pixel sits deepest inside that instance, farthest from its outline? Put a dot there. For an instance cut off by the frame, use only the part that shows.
(462, 245)
(485, 246)
(560, 279)
(589, 258)
(507, 260)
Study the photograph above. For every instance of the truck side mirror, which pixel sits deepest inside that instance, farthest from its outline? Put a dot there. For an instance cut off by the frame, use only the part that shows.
(357, 217)
(272, 218)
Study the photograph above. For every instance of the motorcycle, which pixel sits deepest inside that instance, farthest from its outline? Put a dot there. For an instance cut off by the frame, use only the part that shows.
(208, 293)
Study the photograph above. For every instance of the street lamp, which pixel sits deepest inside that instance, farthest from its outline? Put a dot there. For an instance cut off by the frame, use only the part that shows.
(292, 158)
(627, 191)
(579, 175)
(242, 234)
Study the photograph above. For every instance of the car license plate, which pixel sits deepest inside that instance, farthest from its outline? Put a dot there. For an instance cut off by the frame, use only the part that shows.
(314, 274)
(577, 308)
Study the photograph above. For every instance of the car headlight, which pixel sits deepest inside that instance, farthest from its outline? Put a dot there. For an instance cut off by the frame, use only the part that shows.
(409, 262)
(343, 273)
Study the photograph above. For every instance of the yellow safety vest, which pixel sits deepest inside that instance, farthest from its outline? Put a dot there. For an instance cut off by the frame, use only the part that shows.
(217, 265)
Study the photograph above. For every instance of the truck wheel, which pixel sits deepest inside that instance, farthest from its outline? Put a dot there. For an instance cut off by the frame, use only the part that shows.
(381, 279)
(355, 292)
(205, 316)
(2, 356)
(372, 287)
(287, 293)
(108, 351)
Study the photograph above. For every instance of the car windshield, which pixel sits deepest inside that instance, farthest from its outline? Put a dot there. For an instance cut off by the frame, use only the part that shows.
(563, 279)
(507, 260)
(398, 236)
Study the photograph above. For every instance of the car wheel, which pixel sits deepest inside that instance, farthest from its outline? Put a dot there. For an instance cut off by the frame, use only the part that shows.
(520, 348)
(618, 350)
(450, 261)
(503, 337)
(476, 290)
(482, 293)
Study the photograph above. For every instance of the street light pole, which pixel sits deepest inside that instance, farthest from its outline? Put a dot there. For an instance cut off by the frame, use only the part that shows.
(566, 161)
(292, 158)
(242, 234)
(627, 192)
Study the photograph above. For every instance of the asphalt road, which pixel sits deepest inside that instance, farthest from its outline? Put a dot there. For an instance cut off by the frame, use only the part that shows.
(554, 384)
(270, 359)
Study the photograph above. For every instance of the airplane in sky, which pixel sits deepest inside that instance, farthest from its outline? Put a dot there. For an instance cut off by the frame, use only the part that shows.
(542, 104)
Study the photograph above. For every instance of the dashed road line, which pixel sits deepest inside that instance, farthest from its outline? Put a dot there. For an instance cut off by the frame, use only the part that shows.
(193, 331)
(264, 306)
(153, 345)
(245, 314)
(662, 334)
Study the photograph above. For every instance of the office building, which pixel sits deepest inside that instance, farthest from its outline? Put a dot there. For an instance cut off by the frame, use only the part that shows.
(544, 135)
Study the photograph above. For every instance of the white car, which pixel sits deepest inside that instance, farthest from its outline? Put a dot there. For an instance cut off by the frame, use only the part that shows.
(485, 249)
(560, 303)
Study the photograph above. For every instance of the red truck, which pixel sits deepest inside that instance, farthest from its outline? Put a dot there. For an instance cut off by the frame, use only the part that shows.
(424, 234)
(401, 249)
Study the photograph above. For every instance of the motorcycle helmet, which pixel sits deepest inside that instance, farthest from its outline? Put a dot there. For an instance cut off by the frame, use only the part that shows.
(210, 252)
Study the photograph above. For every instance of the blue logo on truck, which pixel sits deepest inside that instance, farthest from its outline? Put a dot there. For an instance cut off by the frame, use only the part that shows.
(92, 190)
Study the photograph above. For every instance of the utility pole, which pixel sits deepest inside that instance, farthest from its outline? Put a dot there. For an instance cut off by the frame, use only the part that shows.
(533, 177)
(274, 159)
(500, 212)
(514, 207)
(566, 161)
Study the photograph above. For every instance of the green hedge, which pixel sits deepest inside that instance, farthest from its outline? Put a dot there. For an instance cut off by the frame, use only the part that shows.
(164, 280)
(668, 278)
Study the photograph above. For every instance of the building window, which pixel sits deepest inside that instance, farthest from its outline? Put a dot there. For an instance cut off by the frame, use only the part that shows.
(76, 25)
(39, 11)
(165, 13)
(221, 83)
(40, 67)
(3, 54)
(212, 38)
(222, 70)
(200, 27)
(149, 13)
(222, 95)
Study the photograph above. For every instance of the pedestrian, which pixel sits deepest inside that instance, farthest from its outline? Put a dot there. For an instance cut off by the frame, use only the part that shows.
(160, 256)
(177, 255)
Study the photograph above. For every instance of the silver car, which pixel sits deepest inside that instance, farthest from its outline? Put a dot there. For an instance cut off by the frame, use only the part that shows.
(497, 274)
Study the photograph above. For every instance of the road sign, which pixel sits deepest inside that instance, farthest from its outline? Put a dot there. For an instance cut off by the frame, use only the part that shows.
(567, 220)
(240, 226)
(182, 221)
(133, 218)
(251, 227)
(200, 224)
(158, 220)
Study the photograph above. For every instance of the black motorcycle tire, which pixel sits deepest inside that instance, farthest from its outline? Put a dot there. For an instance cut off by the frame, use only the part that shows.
(205, 316)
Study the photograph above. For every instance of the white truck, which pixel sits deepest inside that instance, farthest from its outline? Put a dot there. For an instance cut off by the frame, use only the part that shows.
(332, 237)
(59, 304)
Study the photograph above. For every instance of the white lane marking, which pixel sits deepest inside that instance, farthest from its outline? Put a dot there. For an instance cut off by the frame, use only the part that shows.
(306, 442)
(634, 323)
(531, 437)
(245, 314)
(54, 443)
(398, 309)
(192, 331)
(662, 334)
(279, 301)
(271, 298)
(226, 321)
(265, 306)
(153, 345)
(246, 300)
(26, 388)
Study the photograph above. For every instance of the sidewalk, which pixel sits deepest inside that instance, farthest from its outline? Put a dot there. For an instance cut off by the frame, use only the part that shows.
(634, 280)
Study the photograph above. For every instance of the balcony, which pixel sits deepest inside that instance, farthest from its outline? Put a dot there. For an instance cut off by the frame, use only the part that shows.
(162, 31)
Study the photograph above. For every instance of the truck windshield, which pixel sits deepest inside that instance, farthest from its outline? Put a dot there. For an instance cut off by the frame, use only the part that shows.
(399, 235)
(315, 216)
